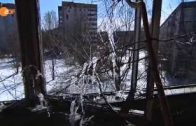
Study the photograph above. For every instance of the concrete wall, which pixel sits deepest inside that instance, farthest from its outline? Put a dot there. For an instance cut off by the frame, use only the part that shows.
(177, 53)
(77, 18)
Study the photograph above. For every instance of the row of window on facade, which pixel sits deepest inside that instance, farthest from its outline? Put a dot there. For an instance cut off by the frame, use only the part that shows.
(81, 9)
(89, 19)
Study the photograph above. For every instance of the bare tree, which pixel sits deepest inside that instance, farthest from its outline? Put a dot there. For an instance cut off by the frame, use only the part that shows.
(49, 37)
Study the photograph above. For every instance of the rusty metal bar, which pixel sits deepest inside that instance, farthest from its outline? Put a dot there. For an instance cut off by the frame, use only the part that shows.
(127, 105)
(136, 52)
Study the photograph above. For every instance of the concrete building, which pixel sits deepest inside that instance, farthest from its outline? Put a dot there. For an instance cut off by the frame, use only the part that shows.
(8, 30)
(123, 38)
(127, 38)
(78, 19)
(178, 53)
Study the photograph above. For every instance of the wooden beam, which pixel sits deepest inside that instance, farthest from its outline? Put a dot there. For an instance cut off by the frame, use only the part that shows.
(155, 29)
(30, 42)
(164, 106)
(166, 113)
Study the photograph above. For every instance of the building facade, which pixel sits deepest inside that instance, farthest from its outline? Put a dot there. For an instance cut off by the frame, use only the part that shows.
(123, 38)
(178, 50)
(78, 19)
(78, 25)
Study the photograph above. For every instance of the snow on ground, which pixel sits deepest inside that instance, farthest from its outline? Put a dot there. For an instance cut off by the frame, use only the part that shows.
(10, 88)
(141, 72)
(11, 84)
(67, 78)
(60, 76)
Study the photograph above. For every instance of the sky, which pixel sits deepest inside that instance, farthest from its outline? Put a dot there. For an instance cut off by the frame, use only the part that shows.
(48, 5)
